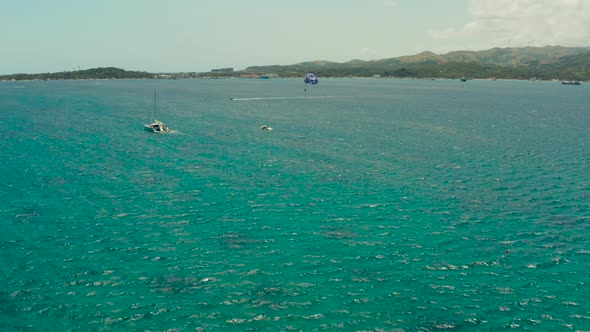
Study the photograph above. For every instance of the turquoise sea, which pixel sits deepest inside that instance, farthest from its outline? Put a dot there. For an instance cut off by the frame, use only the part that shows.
(373, 205)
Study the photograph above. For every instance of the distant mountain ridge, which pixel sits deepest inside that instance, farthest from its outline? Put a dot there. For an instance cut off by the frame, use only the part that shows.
(500, 56)
(546, 62)
(495, 56)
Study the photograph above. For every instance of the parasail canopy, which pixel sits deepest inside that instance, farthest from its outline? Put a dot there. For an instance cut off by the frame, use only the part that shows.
(311, 78)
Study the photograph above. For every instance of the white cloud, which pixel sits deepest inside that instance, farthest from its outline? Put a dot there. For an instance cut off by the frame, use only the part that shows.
(523, 22)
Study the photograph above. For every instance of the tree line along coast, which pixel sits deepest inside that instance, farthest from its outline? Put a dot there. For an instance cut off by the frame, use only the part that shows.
(539, 63)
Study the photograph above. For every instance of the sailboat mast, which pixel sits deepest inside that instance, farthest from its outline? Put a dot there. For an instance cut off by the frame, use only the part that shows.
(154, 116)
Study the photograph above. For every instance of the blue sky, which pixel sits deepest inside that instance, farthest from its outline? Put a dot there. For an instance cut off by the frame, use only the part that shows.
(198, 35)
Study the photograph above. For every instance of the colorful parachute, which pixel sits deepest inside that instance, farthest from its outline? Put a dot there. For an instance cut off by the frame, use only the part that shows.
(311, 79)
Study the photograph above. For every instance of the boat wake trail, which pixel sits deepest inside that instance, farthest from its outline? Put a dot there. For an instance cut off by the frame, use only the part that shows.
(279, 98)
(178, 132)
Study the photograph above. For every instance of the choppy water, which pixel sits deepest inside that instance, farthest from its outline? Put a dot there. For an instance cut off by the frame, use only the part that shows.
(372, 205)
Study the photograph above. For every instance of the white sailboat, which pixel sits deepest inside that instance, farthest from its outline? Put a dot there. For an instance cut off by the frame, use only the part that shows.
(156, 126)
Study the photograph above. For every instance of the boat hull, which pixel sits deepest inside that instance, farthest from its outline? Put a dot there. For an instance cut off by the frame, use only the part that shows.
(157, 127)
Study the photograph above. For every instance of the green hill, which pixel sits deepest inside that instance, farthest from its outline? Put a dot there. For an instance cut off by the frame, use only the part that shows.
(94, 73)
(573, 67)
(516, 56)
(549, 62)
(512, 63)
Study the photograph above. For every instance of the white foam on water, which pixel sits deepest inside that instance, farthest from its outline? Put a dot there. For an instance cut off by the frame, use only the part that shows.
(278, 98)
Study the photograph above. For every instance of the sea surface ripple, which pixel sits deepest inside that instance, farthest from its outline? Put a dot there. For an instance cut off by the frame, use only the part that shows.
(373, 205)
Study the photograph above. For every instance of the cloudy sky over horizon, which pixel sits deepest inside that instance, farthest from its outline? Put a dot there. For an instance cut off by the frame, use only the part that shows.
(185, 35)
(516, 23)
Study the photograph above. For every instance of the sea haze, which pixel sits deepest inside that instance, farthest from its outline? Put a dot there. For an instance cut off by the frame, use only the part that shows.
(374, 204)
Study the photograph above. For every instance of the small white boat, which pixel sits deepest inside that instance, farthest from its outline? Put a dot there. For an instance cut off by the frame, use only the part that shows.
(156, 126)
(265, 127)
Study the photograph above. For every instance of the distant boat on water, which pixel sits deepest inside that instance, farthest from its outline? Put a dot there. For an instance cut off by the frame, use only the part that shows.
(571, 83)
(156, 126)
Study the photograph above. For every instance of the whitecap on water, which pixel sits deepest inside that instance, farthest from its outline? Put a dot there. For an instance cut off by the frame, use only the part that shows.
(315, 316)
